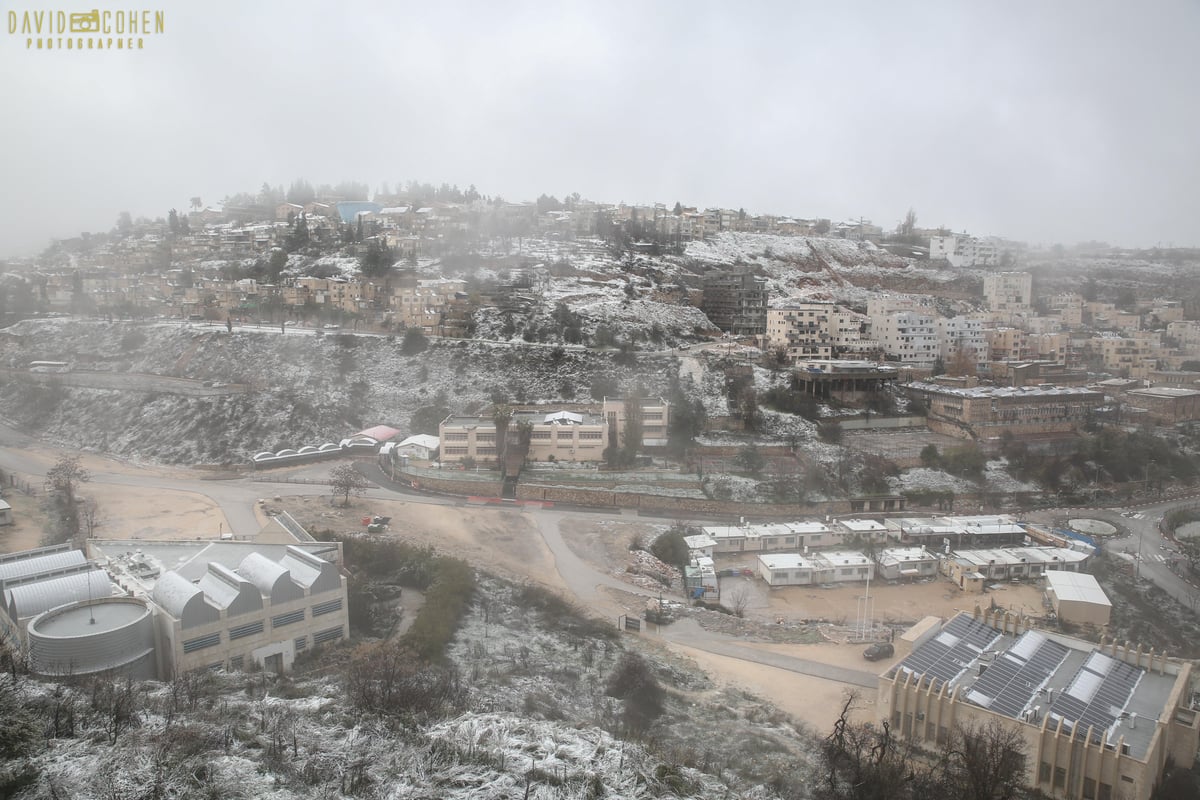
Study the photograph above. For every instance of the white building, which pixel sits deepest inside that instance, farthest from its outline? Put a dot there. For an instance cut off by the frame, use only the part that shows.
(1077, 598)
(1008, 291)
(911, 563)
(786, 569)
(963, 251)
(420, 445)
(907, 336)
(829, 566)
(962, 338)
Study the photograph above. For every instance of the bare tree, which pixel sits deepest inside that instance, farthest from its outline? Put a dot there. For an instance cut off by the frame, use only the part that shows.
(738, 599)
(65, 476)
(345, 480)
(985, 762)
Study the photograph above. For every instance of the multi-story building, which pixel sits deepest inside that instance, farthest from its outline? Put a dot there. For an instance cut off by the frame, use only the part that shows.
(1008, 291)
(963, 251)
(581, 435)
(224, 605)
(802, 329)
(1166, 404)
(1095, 721)
(736, 302)
(1127, 357)
(1007, 344)
(985, 412)
(961, 340)
(906, 336)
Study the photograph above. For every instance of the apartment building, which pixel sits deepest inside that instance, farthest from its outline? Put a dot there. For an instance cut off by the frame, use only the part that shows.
(802, 329)
(1008, 291)
(1007, 344)
(1127, 357)
(964, 251)
(736, 302)
(910, 337)
(961, 340)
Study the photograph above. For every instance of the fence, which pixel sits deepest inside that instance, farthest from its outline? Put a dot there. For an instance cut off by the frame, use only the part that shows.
(22, 485)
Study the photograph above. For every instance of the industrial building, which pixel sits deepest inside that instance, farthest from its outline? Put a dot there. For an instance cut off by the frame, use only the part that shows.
(1098, 722)
(157, 609)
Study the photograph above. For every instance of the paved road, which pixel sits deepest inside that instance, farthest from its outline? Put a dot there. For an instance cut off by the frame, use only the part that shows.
(237, 499)
(1143, 540)
(126, 381)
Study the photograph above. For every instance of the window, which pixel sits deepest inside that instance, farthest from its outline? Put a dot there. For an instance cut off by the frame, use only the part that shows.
(201, 642)
(327, 608)
(591, 435)
(455, 437)
(1044, 772)
(237, 662)
(930, 731)
(540, 435)
(327, 635)
(485, 451)
(1105, 792)
(287, 619)
(1060, 777)
(1089, 789)
(456, 451)
(249, 629)
(485, 437)
(301, 643)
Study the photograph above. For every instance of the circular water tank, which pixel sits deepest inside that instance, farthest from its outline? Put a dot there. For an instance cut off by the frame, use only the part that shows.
(114, 633)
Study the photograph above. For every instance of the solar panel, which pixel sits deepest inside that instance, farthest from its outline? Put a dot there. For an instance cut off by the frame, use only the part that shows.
(1010, 682)
(1097, 694)
(948, 654)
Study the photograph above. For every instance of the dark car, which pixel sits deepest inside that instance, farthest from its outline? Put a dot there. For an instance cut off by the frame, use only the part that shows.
(879, 650)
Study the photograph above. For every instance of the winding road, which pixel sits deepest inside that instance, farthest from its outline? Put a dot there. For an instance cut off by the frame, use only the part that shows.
(237, 498)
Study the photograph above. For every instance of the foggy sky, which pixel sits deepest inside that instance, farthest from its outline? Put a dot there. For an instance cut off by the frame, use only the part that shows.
(1048, 122)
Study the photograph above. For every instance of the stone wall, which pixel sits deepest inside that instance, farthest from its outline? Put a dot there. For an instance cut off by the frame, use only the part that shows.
(449, 485)
(678, 506)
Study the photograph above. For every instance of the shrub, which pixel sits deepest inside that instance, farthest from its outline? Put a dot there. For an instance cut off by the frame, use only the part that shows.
(634, 684)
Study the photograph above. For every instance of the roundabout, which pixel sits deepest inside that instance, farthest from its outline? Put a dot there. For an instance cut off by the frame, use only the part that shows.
(1092, 527)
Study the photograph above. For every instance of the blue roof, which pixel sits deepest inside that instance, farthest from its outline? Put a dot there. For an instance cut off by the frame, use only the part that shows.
(348, 210)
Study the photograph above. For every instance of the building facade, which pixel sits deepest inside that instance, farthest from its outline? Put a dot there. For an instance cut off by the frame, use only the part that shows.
(1097, 722)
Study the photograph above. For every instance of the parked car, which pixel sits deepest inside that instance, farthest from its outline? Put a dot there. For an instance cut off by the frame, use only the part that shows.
(879, 650)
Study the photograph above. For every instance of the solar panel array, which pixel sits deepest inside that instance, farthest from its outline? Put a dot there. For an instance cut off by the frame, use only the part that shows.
(1098, 693)
(1014, 677)
(947, 655)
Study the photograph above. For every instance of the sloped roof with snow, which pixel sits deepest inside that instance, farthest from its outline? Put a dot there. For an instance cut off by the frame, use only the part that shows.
(183, 600)
(421, 440)
(272, 579)
(21, 567)
(31, 599)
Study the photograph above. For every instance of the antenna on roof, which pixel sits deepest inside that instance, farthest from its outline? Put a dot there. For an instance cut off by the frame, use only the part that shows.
(91, 612)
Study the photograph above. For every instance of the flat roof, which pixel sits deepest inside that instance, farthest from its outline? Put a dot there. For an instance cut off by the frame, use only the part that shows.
(862, 525)
(1077, 587)
(786, 561)
(1001, 391)
(144, 561)
(1164, 391)
(90, 618)
(1042, 673)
